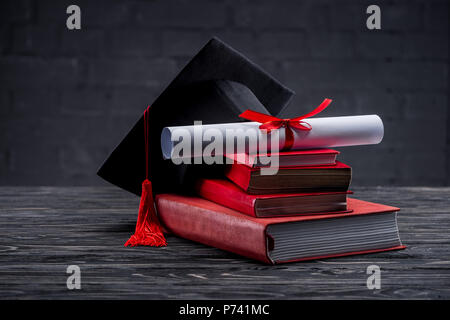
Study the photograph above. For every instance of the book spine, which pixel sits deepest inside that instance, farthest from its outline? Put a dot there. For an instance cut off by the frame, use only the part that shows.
(228, 198)
(227, 231)
(239, 174)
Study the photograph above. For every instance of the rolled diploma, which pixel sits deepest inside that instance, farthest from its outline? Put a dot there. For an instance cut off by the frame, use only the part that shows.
(325, 133)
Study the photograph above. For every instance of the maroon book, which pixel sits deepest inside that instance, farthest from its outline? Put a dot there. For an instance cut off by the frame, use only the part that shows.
(312, 157)
(291, 179)
(370, 227)
(226, 193)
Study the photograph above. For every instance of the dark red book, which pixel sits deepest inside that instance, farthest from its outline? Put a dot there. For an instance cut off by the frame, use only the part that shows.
(312, 157)
(291, 179)
(370, 227)
(226, 193)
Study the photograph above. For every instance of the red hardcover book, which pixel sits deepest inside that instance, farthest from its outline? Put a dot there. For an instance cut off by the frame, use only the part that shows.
(291, 179)
(226, 193)
(369, 228)
(312, 157)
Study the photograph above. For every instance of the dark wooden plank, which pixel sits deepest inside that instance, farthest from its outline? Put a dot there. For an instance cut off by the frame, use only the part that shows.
(45, 229)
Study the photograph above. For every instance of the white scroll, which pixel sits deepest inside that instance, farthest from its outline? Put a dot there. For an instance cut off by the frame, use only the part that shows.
(325, 133)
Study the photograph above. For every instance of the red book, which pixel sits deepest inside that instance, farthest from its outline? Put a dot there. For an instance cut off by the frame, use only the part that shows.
(312, 157)
(369, 228)
(291, 179)
(229, 195)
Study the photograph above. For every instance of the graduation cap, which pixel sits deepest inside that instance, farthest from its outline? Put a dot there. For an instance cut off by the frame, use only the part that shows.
(216, 86)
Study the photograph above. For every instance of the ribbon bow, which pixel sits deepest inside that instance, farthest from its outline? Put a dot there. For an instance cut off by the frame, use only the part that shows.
(270, 123)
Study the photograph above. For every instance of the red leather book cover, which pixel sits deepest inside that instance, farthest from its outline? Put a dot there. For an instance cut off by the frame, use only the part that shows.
(209, 223)
(241, 174)
(319, 157)
(226, 193)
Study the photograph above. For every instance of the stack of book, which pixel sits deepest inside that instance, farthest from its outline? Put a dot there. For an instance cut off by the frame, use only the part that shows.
(300, 213)
(306, 182)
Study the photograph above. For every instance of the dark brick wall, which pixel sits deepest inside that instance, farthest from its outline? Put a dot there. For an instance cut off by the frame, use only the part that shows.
(68, 97)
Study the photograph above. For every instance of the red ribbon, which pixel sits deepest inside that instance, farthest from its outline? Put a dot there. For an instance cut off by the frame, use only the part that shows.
(270, 123)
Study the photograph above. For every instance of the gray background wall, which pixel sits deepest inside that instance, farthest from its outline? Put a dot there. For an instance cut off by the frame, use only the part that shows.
(68, 97)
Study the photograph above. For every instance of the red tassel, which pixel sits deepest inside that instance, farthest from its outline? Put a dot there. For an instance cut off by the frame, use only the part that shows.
(148, 229)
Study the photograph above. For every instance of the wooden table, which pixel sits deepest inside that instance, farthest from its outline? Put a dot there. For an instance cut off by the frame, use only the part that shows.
(46, 229)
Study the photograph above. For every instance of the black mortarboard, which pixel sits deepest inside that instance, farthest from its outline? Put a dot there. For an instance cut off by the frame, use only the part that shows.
(216, 86)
